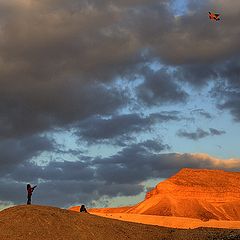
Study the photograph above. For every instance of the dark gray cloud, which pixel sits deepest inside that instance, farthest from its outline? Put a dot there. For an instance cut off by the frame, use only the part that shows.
(192, 37)
(232, 104)
(120, 127)
(196, 74)
(12, 191)
(227, 91)
(199, 133)
(14, 151)
(193, 135)
(67, 183)
(53, 64)
(64, 183)
(29, 112)
(159, 88)
(96, 128)
(214, 131)
(206, 114)
(55, 55)
(202, 112)
(66, 170)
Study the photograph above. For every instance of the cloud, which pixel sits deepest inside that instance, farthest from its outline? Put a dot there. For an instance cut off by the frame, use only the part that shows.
(12, 192)
(206, 114)
(199, 133)
(196, 54)
(159, 88)
(64, 183)
(58, 58)
(214, 131)
(15, 151)
(120, 127)
(232, 104)
(193, 135)
(197, 74)
(202, 112)
(226, 92)
(54, 63)
(30, 112)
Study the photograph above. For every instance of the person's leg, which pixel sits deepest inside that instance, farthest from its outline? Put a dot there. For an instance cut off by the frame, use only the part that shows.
(29, 200)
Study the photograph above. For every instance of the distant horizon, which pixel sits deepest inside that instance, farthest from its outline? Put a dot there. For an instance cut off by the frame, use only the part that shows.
(138, 198)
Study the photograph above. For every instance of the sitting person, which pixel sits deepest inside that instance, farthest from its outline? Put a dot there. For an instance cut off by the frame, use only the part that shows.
(83, 209)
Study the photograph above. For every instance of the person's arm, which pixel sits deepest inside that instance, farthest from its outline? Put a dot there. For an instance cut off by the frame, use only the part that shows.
(34, 187)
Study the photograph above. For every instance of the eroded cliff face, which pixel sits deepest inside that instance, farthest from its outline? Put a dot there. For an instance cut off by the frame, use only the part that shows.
(195, 193)
(201, 183)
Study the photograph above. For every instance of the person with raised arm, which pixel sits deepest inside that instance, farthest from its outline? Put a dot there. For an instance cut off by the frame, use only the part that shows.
(29, 193)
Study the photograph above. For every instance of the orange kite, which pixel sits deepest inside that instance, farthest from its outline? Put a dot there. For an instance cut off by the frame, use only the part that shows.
(214, 16)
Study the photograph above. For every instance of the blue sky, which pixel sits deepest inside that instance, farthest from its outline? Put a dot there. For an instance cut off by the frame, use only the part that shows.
(179, 7)
(99, 102)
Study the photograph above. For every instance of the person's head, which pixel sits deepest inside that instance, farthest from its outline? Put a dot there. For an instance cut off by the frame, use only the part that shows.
(28, 186)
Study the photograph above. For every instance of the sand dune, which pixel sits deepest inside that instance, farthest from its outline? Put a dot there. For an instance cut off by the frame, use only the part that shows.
(45, 223)
(48, 223)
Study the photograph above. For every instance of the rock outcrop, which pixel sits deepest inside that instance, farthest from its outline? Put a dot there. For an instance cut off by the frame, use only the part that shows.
(194, 193)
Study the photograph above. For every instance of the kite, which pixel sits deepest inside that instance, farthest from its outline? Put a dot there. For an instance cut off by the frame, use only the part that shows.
(214, 16)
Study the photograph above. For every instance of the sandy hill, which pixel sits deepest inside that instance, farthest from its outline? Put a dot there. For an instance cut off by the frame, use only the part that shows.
(48, 223)
(45, 223)
(193, 193)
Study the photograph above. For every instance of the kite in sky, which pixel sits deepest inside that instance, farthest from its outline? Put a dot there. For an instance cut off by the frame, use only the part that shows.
(214, 16)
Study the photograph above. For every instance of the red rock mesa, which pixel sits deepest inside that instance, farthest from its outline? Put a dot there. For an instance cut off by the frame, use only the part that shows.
(193, 193)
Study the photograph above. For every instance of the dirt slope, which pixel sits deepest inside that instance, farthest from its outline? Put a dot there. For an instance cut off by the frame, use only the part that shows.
(48, 223)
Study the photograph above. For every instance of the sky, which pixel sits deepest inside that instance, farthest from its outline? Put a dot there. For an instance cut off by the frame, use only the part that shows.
(100, 100)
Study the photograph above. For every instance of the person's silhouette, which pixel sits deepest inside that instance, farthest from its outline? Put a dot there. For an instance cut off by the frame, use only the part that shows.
(29, 192)
(83, 209)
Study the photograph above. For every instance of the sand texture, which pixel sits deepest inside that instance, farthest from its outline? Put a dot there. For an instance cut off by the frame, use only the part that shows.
(172, 222)
(48, 223)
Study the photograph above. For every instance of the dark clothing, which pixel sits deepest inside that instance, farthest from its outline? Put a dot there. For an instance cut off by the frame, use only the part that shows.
(29, 191)
(29, 200)
(83, 209)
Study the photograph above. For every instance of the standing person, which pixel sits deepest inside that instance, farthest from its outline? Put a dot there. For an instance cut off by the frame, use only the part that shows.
(29, 192)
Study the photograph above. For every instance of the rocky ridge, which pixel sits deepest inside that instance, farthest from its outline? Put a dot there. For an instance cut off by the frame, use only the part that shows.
(194, 193)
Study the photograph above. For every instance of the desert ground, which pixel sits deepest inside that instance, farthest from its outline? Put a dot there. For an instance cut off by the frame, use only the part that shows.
(196, 200)
(172, 222)
(49, 223)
